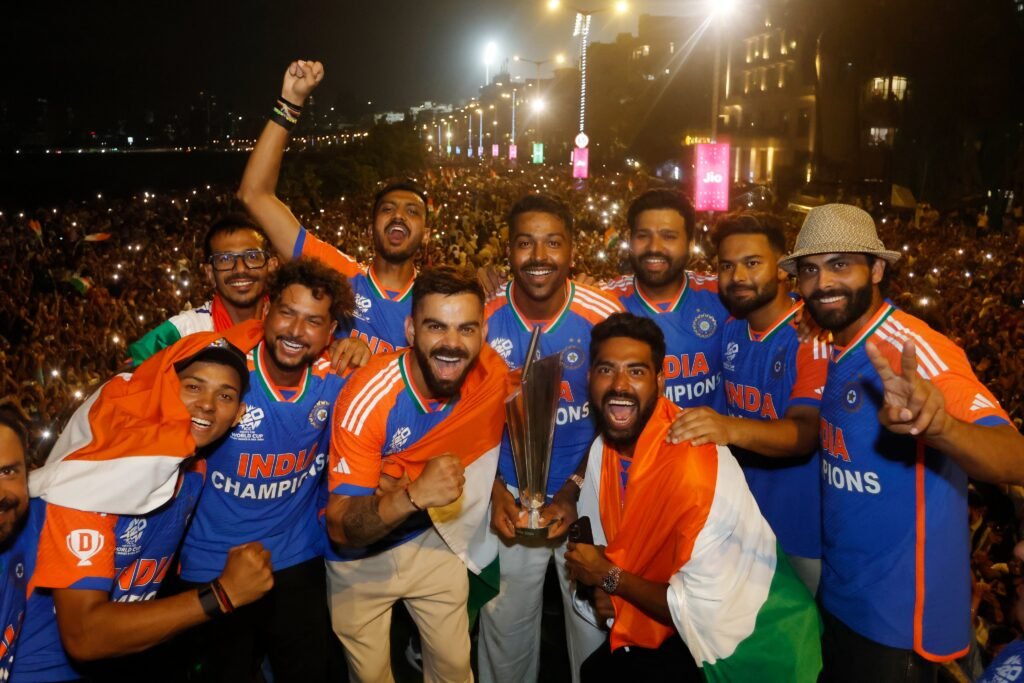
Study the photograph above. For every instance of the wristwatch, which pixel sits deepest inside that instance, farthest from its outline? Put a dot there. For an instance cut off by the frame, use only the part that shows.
(610, 582)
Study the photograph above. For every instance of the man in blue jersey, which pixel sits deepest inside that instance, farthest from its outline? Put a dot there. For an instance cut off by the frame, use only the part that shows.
(540, 254)
(237, 263)
(773, 385)
(264, 482)
(96, 575)
(17, 544)
(683, 303)
(903, 423)
(383, 287)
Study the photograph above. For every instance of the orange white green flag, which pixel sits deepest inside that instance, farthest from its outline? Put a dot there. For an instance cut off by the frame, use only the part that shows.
(686, 518)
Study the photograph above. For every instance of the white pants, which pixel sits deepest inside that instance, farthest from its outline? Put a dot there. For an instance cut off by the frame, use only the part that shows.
(509, 641)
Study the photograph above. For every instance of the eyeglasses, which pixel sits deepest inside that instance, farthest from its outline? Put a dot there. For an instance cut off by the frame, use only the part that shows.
(252, 258)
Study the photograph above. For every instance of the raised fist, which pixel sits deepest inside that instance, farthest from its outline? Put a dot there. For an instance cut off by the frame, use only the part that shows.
(440, 483)
(300, 80)
(248, 574)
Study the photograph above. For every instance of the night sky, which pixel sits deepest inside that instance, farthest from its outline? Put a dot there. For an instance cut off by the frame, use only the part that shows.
(104, 57)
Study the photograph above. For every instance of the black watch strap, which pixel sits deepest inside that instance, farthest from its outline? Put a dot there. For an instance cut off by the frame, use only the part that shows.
(208, 600)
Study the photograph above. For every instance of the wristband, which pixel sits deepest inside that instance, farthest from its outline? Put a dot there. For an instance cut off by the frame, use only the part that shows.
(289, 104)
(412, 500)
(222, 597)
(209, 602)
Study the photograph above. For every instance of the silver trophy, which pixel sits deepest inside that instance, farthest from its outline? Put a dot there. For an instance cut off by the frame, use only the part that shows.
(530, 413)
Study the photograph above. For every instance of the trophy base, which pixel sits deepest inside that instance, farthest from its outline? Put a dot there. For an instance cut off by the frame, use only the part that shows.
(530, 532)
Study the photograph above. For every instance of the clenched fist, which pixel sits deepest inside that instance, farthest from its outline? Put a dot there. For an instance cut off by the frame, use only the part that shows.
(248, 574)
(300, 80)
(440, 483)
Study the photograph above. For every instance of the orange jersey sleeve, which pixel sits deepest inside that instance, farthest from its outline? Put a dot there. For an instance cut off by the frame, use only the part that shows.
(358, 431)
(943, 363)
(76, 550)
(811, 371)
(311, 246)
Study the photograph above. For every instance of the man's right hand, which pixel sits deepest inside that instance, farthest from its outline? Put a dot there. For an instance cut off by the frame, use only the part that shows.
(248, 574)
(440, 483)
(603, 605)
(504, 511)
(300, 80)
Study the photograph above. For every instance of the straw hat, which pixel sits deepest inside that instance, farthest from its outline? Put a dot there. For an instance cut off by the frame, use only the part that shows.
(837, 228)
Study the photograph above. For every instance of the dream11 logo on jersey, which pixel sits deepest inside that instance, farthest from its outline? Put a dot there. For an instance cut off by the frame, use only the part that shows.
(84, 544)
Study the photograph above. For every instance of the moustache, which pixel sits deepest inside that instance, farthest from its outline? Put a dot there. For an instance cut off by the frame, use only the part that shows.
(838, 291)
(291, 340)
(732, 289)
(654, 254)
(537, 264)
(620, 394)
(449, 351)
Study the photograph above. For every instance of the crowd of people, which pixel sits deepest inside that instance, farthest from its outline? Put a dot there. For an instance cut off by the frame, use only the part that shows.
(87, 279)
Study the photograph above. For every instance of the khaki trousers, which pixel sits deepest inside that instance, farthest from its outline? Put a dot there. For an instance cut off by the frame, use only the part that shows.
(431, 580)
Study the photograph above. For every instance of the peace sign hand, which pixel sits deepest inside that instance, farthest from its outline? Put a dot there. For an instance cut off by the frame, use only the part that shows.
(913, 405)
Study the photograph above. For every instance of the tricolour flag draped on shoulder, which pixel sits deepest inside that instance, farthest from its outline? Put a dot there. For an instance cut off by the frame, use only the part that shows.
(690, 521)
(121, 450)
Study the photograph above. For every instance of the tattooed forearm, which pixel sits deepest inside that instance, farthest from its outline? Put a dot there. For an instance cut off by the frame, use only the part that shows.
(362, 522)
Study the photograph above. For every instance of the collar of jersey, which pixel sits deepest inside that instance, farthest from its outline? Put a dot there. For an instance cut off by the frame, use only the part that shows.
(652, 305)
(869, 329)
(421, 401)
(380, 290)
(268, 384)
(549, 325)
(775, 326)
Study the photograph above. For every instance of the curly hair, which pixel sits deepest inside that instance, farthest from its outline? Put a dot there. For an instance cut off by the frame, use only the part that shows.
(318, 278)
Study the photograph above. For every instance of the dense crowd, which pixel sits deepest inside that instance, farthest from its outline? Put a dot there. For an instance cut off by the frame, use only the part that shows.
(83, 280)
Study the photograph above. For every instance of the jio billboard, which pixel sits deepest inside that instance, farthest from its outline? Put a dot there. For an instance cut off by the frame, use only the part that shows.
(712, 191)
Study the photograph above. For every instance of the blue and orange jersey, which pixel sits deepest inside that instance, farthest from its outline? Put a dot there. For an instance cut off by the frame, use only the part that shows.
(17, 563)
(379, 414)
(127, 557)
(895, 541)
(263, 477)
(568, 335)
(765, 372)
(380, 313)
(692, 323)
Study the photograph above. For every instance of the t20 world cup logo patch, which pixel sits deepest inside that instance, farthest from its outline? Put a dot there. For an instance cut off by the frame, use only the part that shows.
(84, 544)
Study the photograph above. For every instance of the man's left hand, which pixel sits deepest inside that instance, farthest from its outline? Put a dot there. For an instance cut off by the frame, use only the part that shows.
(587, 563)
(700, 426)
(913, 405)
(349, 352)
(558, 515)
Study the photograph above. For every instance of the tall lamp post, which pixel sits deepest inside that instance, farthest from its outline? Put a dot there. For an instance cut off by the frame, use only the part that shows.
(720, 10)
(538, 63)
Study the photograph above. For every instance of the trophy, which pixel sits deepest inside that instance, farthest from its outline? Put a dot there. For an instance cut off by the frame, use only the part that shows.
(530, 411)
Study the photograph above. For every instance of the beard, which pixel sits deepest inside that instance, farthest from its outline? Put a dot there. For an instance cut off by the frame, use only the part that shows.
(441, 388)
(248, 300)
(619, 438)
(9, 529)
(858, 303)
(741, 308)
(673, 273)
(395, 255)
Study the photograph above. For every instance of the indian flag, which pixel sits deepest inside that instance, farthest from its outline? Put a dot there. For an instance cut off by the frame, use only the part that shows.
(611, 238)
(81, 283)
(689, 521)
(96, 237)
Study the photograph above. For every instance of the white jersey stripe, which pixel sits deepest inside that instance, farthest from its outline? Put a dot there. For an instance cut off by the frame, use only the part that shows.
(370, 405)
(596, 303)
(366, 393)
(921, 344)
(924, 354)
(924, 368)
(603, 312)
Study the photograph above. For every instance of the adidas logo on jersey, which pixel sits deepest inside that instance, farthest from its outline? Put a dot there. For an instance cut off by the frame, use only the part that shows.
(981, 403)
(342, 467)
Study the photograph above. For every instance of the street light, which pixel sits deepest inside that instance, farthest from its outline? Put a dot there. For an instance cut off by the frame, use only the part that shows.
(719, 11)
(490, 51)
(538, 103)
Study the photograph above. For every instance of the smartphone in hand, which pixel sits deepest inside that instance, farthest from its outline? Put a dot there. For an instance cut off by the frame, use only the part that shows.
(580, 531)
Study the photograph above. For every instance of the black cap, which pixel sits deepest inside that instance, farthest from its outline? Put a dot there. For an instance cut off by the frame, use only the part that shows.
(220, 352)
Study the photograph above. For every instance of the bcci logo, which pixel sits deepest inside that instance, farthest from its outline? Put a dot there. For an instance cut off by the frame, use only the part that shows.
(851, 397)
(572, 355)
(363, 304)
(318, 416)
(704, 325)
(503, 346)
(83, 544)
(399, 440)
(131, 537)
(732, 349)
